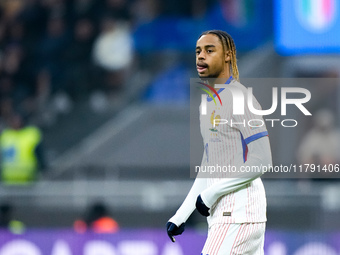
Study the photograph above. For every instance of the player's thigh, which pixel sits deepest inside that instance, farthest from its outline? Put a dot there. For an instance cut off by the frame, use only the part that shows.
(217, 235)
(230, 239)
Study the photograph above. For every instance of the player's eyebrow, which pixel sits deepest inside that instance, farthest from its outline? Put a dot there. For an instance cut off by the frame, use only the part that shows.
(209, 46)
(206, 46)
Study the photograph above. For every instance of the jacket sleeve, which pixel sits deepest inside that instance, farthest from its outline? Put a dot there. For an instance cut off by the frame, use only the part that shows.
(188, 206)
(259, 155)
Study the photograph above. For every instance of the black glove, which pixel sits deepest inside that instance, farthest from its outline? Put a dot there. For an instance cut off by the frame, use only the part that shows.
(173, 230)
(201, 207)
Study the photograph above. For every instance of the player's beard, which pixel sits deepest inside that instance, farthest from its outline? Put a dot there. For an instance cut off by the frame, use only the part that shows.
(210, 78)
(212, 75)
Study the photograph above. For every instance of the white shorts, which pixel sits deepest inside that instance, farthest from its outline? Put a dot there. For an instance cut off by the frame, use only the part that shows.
(232, 239)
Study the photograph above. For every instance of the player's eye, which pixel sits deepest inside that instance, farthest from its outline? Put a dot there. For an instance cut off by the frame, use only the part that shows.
(197, 52)
(209, 51)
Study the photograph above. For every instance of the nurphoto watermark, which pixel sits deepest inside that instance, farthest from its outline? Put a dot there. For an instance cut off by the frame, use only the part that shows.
(296, 114)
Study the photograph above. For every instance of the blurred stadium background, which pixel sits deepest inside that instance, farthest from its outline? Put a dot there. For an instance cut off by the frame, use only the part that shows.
(107, 84)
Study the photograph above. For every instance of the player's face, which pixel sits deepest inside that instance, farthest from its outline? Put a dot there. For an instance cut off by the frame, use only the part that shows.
(210, 57)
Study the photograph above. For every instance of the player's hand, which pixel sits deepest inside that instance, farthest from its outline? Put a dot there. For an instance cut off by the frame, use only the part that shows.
(201, 207)
(173, 230)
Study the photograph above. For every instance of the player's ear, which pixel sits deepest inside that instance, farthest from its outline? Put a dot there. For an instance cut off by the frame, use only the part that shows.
(227, 56)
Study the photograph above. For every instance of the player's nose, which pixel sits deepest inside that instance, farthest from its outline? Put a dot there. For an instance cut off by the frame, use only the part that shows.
(201, 55)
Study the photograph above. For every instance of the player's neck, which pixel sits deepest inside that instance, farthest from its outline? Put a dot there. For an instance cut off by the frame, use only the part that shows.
(224, 75)
(220, 79)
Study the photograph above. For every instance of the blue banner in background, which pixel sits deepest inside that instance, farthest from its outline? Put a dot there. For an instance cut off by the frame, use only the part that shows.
(154, 242)
(248, 21)
(307, 26)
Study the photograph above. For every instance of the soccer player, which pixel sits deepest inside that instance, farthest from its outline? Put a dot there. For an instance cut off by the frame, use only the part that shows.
(235, 205)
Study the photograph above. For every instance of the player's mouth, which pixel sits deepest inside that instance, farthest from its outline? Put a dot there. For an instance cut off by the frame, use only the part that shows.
(201, 67)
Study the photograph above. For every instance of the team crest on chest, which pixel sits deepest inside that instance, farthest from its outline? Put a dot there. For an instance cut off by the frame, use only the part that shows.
(215, 121)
